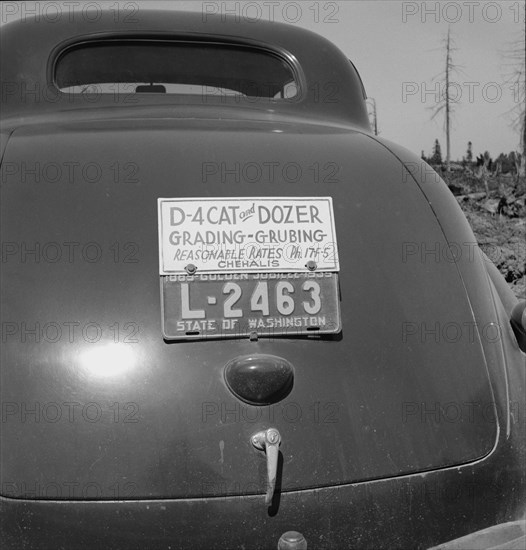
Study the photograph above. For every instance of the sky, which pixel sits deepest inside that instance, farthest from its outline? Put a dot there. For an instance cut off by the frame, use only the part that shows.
(398, 48)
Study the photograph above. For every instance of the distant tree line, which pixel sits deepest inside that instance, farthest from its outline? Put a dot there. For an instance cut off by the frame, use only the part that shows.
(505, 163)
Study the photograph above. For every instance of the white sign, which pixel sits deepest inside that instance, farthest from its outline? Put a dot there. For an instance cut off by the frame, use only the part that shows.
(243, 235)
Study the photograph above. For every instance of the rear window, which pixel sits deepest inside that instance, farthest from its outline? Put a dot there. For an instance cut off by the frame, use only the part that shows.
(174, 67)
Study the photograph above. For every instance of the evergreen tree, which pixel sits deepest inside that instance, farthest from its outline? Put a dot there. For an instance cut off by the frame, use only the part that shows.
(469, 153)
(436, 156)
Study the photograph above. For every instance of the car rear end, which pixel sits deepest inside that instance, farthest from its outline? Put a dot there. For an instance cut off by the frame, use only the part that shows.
(131, 400)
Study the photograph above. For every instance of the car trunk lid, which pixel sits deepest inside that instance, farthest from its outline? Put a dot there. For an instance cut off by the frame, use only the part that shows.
(96, 404)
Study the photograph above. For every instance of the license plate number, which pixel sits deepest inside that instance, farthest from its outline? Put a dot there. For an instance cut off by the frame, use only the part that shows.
(242, 305)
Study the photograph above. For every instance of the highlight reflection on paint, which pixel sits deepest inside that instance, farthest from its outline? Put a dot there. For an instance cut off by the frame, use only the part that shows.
(108, 360)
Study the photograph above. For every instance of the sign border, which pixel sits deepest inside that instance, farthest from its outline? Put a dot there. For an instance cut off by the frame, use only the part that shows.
(281, 269)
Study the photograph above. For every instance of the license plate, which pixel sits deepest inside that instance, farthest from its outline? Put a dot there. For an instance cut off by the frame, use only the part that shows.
(250, 305)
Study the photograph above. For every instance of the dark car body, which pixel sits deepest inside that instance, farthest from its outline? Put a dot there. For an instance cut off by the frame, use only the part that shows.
(403, 430)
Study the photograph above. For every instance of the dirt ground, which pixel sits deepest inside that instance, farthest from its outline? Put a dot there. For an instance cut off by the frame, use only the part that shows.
(499, 223)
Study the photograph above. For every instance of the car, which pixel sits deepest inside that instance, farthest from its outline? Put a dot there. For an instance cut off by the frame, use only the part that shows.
(232, 316)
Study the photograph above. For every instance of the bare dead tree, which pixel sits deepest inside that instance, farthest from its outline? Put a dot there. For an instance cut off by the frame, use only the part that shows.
(524, 97)
(372, 114)
(516, 56)
(446, 104)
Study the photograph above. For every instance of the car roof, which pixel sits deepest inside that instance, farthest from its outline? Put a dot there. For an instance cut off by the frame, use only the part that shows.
(330, 85)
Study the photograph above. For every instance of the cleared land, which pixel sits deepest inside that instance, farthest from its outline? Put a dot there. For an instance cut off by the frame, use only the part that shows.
(498, 220)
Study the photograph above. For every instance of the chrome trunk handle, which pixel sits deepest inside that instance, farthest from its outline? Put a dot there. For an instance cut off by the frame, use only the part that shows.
(269, 441)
